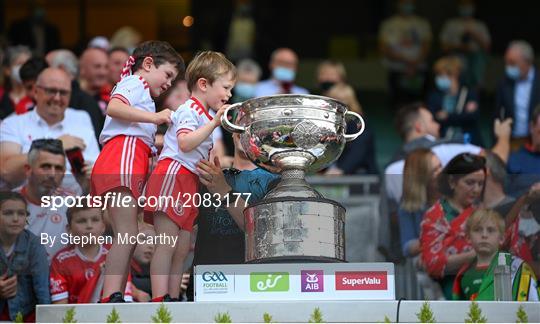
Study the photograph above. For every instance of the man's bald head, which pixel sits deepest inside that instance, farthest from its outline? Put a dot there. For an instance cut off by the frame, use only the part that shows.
(93, 69)
(284, 57)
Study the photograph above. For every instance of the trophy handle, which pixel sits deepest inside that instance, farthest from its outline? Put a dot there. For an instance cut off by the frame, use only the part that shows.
(227, 124)
(350, 137)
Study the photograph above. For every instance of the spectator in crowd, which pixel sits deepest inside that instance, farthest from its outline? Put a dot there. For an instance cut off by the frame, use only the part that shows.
(50, 119)
(117, 58)
(140, 265)
(94, 75)
(220, 234)
(358, 155)
(443, 242)
(494, 195)
(13, 93)
(329, 74)
(475, 280)
(524, 164)
(77, 270)
(99, 42)
(35, 32)
(454, 105)
(469, 39)
(29, 73)
(126, 37)
(249, 73)
(283, 65)
(422, 168)
(523, 228)
(519, 92)
(404, 41)
(45, 171)
(24, 271)
(67, 61)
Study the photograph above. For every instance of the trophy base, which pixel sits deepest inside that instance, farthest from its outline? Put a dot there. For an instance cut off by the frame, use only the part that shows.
(295, 229)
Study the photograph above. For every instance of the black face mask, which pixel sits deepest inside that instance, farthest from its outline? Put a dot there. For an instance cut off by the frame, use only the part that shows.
(327, 85)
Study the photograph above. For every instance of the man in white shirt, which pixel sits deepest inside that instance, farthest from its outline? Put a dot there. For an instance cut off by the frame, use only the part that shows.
(50, 119)
(283, 64)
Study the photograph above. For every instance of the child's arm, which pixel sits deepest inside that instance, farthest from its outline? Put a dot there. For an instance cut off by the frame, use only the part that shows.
(117, 109)
(189, 141)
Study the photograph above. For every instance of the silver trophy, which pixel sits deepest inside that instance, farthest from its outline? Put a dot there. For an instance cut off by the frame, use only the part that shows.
(293, 134)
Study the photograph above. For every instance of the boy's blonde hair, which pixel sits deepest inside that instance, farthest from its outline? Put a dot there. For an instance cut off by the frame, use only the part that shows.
(482, 215)
(209, 65)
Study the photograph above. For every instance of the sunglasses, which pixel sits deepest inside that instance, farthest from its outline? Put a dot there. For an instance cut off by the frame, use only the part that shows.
(51, 92)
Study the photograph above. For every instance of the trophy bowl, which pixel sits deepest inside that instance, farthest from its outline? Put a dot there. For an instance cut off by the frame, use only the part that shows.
(292, 135)
(303, 132)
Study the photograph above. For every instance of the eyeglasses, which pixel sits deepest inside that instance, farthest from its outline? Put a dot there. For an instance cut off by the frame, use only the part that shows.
(51, 92)
(48, 144)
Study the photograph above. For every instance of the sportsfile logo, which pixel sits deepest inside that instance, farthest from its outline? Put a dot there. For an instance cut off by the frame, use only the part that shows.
(215, 282)
(361, 280)
(268, 281)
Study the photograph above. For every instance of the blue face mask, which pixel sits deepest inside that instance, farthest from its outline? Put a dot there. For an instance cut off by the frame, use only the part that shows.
(283, 74)
(443, 83)
(245, 90)
(512, 72)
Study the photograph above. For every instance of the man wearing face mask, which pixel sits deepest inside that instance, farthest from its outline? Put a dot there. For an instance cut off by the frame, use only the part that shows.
(283, 64)
(519, 92)
(248, 74)
(468, 38)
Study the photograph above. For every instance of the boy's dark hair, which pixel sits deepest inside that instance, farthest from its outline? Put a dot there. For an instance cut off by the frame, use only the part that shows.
(32, 68)
(460, 166)
(10, 195)
(78, 208)
(209, 65)
(406, 117)
(161, 52)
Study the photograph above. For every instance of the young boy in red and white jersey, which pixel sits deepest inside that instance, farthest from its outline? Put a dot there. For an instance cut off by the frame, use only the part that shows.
(211, 77)
(77, 271)
(128, 138)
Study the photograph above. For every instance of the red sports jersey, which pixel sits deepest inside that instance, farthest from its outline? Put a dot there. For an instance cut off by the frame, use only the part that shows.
(79, 279)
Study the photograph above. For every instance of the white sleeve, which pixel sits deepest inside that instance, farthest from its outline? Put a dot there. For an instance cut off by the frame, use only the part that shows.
(9, 130)
(446, 152)
(185, 119)
(130, 90)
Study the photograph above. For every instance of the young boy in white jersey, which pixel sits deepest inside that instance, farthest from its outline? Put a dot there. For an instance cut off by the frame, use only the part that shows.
(128, 138)
(211, 77)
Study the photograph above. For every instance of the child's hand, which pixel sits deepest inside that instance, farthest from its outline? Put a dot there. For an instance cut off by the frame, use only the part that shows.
(219, 113)
(8, 286)
(163, 117)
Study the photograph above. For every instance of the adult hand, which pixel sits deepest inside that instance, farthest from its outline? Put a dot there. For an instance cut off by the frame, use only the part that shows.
(70, 141)
(163, 117)
(503, 129)
(8, 286)
(442, 115)
(211, 175)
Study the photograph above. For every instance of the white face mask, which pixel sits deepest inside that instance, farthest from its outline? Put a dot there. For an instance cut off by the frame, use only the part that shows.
(15, 74)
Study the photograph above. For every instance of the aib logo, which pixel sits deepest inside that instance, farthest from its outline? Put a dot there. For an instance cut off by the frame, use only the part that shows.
(269, 281)
(214, 276)
(312, 280)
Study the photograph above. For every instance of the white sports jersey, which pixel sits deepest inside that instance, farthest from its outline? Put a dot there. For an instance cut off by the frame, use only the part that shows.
(44, 220)
(188, 117)
(133, 91)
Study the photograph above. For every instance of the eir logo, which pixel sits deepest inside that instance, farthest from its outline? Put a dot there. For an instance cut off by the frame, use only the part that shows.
(361, 280)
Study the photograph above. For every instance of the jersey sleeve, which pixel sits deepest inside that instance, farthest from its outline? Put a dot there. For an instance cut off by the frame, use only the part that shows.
(185, 120)
(58, 283)
(130, 90)
(9, 130)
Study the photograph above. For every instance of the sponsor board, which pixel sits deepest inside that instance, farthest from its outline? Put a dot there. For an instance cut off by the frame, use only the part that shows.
(295, 281)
